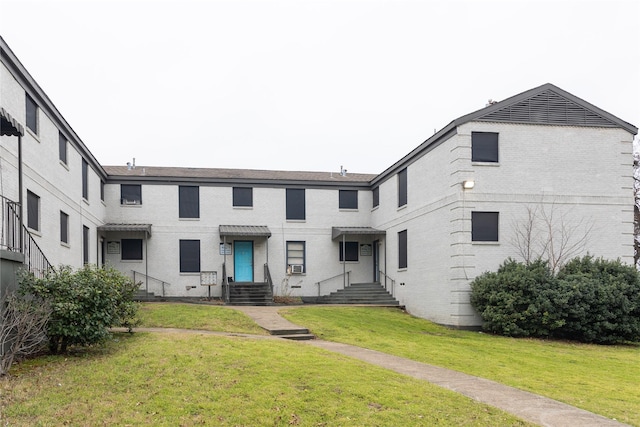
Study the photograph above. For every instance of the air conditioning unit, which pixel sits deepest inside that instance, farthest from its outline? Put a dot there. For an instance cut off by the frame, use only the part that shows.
(297, 269)
(130, 202)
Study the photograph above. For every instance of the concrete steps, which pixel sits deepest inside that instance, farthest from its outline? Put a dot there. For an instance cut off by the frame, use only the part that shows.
(250, 293)
(357, 293)
(297, 334)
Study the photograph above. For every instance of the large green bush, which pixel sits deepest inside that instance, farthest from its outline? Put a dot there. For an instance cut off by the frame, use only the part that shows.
(589, 300)
(84, 303)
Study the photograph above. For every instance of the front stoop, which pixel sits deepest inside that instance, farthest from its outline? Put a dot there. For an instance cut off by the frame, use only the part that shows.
(253, 293)
(357, 293)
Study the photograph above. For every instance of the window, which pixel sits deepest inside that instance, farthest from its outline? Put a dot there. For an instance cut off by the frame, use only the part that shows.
(64, 227)
(296, 257)
(102, 190)
(348, 199)
(33, 211)
(189, 201)
(189, 256)
(85, 179)
(484, 147)
(295, 203)
(351, 251)
(85, 244)
(130, 194)
(402, 187)
(243, 196)
(32, 114)
(402, 249)
(376, 197)
(62, 147)
(131, 249)
(484, 226)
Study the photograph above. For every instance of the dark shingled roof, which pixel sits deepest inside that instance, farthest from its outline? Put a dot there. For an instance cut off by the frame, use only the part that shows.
(207, 174)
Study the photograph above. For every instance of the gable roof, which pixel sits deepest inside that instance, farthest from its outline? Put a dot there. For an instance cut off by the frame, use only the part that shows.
(545, 105)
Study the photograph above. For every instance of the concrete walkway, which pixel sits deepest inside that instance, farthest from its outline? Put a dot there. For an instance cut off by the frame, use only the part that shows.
(528, 406)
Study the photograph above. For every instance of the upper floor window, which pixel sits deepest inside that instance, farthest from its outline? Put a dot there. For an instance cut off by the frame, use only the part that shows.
(484, 226)
(131, 249)
(62, 148)
(349, 251)
(85, 244)
(189, 203)
(402, 249)
(296, 204)
(32, 114)
(64, 227)
(402, 187)
(85, 179)
(484, 147)
(243, 196)
(376, 197)
(33, 211)
(348, 199)
(130, 194)
(295, 257)
(102, 190)
(189, 256)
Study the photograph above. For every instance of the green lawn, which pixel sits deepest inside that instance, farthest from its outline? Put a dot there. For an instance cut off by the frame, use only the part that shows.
(177, 379)
(601, 379)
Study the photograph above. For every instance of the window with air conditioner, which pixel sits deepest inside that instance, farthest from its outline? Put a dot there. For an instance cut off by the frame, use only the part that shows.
(296, 257)
(130, 194)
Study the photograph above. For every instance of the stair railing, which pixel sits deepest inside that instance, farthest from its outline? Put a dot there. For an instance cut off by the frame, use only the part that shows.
(267, 277)
(146, 278)
(393, 283)
(347, 273)
(225, 284)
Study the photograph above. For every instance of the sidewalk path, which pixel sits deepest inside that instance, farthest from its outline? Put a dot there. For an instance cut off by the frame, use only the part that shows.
(528, 406)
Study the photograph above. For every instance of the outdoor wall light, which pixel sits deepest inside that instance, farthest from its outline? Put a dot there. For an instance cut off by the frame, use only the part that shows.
(468, 185)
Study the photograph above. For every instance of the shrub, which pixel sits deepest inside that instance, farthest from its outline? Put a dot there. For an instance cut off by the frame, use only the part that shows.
(85, 303)
(589, 300)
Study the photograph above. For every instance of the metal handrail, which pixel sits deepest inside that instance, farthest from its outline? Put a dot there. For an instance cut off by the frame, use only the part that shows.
(267, 277)
(10, 228)
(393, 282)
(147, 277)
(334, 277)
(225, 283)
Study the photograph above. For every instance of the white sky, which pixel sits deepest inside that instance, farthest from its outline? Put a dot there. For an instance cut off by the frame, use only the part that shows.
(309, 85)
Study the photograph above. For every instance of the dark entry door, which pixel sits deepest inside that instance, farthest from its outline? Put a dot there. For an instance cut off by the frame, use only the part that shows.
(243, 261)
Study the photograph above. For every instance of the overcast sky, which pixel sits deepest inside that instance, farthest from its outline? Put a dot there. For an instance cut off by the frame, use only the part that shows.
(309, 85)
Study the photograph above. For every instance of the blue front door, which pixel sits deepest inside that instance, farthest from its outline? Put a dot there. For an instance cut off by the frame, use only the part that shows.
(243, 261)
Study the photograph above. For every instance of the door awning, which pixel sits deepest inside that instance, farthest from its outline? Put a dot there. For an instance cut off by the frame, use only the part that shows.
(355, 231)
(8, 125)
(145, 228)
(245, 230)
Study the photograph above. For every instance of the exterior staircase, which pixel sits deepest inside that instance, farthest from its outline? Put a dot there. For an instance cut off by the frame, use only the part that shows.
(253, 293)
(357, 293)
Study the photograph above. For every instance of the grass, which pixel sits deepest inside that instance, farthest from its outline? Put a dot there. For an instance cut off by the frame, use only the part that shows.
(600, 379)
(196, 316)
(197, 379)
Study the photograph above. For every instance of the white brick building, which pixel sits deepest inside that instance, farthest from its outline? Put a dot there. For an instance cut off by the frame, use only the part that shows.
(412, 228)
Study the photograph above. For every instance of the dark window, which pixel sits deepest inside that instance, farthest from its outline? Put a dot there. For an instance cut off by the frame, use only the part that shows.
(484, 147)
(242, 196)
(130, 194)
(189, 201)
(62, 147)
(402, 249)
(296, 257)
(64, 227)
(348, 199)
(484, 226)
(189, 256)
(351, 251)
(102, 190)
(295, 203)
(85, 179)
(376, 197)
(402, 187)
(85, 244)
(32, 115)
(33, 211)
(131, 249)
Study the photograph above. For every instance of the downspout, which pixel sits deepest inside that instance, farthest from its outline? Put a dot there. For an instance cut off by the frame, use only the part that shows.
(146, 265)
(344, 263)
(20, 233)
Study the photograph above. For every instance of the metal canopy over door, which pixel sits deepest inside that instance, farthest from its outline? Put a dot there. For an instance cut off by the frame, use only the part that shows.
(243, 260)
